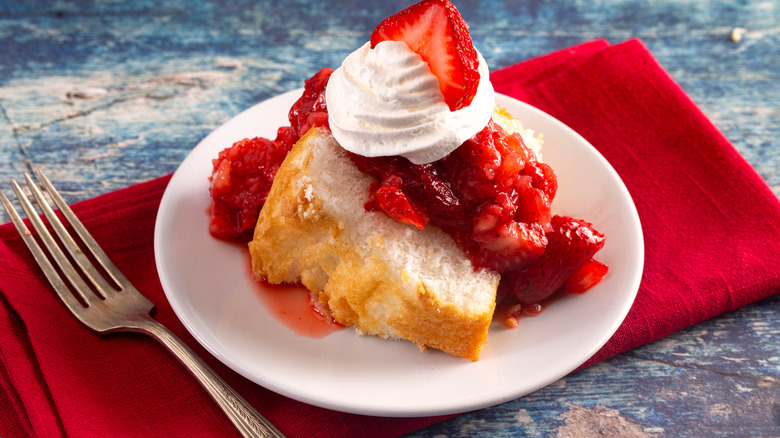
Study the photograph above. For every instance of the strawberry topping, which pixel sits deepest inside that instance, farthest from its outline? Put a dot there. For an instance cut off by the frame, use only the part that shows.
(435, 30)
(587, 276)
(567, 264)
(242, 177)
(394, 203)
(242, 174)
(491, 195)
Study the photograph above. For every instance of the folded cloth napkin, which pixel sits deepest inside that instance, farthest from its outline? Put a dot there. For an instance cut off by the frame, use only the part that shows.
(711, 238)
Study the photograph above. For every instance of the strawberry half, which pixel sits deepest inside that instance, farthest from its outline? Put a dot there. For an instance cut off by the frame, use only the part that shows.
(571, 244)
(435, 30)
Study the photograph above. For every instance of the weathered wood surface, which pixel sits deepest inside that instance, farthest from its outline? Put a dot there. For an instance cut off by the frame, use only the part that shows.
(105, 94)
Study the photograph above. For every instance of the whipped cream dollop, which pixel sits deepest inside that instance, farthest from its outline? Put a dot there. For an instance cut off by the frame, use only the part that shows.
(385, 101)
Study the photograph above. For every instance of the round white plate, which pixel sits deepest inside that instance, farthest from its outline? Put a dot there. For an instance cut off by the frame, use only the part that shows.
(208, 284)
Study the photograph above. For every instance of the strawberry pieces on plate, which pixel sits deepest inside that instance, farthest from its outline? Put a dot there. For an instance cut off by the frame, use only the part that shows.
(567, 264)
(242, 174)
(587, 276)
(241, 178)
(435, 30)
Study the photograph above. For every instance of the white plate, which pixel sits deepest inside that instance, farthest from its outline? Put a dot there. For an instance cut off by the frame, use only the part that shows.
(208, 284)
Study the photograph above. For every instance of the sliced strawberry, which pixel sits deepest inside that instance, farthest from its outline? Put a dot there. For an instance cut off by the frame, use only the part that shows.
(571, 245)
(242, 176)
(508, 245)
(220, 179)
(435, 30)
(536, 187)
(589, 274)
(310, 109)
(395, 204)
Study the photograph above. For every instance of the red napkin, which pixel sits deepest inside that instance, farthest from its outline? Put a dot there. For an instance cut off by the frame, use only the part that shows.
(711, 236)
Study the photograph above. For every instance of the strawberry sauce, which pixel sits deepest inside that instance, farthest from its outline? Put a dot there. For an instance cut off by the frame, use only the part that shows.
(292, 306)
(242, 174)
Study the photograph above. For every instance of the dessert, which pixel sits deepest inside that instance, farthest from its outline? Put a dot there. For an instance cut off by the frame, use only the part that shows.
(403, 198)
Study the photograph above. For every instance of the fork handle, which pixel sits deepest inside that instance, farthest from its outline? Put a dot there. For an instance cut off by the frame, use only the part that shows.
(243, 415)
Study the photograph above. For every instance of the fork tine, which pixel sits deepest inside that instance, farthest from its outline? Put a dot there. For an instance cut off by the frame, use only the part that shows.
(70, 245)
(82, 232)
(51, 274)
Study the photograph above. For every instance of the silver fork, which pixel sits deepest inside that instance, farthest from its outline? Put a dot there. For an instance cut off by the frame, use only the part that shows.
(109, 309)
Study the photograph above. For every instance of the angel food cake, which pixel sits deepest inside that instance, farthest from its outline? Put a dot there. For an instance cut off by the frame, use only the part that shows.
(403, 198)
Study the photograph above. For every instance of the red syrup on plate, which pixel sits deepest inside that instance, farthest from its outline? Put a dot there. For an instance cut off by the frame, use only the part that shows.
(294, 307)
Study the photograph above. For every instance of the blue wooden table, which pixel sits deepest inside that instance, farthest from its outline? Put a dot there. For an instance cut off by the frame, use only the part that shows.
(105, 94)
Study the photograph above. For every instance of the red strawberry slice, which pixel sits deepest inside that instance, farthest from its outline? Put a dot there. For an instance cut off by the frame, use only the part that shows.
(435, 30)
(395, 204)
(589, 274)
(571, 246)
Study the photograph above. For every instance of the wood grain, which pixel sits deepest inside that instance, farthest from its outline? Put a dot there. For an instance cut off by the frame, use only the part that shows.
(105, 94)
